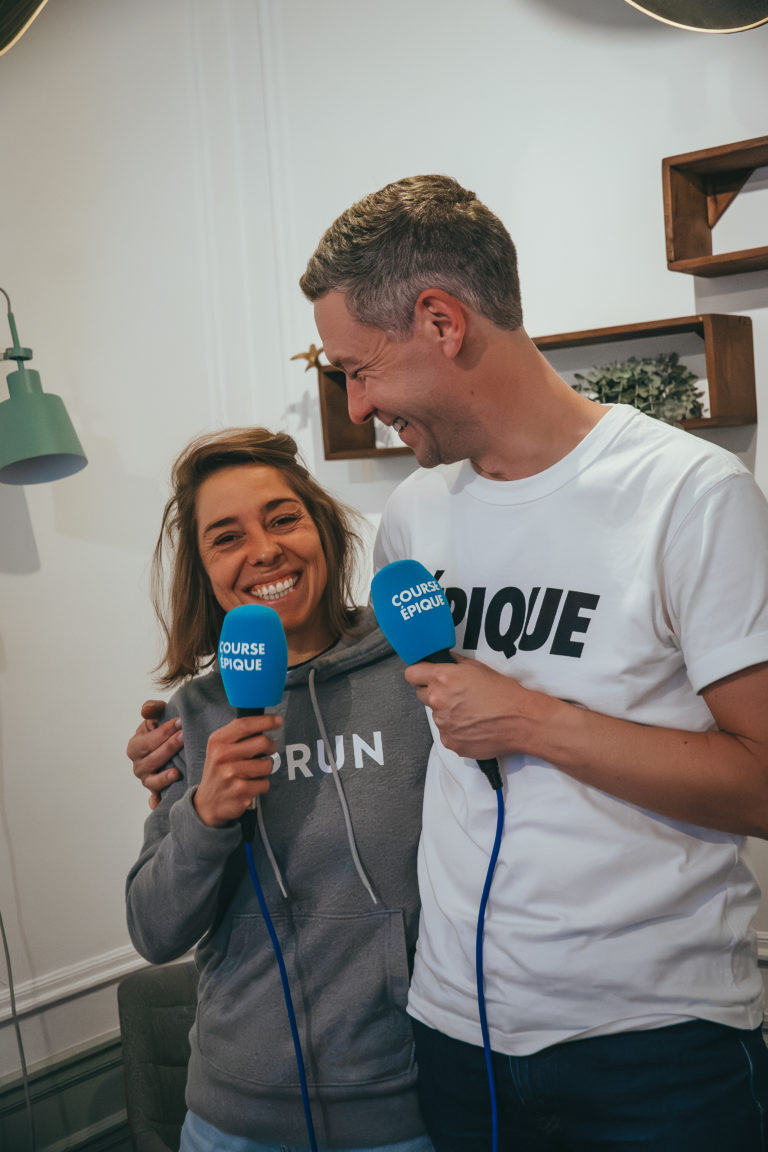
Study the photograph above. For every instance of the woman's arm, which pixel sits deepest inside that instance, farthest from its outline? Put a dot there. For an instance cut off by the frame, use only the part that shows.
(172, 890)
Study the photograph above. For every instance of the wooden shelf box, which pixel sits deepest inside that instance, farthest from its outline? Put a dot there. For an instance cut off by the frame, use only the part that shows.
(728, 352)
(698, 187)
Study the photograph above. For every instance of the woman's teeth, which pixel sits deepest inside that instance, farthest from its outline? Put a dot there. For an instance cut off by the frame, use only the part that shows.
(274, 591)
(398, 424)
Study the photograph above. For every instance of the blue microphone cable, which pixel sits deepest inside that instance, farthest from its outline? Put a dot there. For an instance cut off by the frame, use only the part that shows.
(413, 613)
(286, 995)
(479, 963)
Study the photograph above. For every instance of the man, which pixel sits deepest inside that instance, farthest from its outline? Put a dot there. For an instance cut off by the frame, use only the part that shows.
(610, 577)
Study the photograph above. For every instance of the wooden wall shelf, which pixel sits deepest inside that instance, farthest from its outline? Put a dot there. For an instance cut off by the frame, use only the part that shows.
(728, 351)
(730, 372)
(698, 187)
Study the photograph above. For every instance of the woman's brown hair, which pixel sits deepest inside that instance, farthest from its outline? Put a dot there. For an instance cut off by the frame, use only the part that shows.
(189, 613)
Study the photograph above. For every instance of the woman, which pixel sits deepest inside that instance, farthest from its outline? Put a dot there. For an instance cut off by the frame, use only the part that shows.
(347, 746)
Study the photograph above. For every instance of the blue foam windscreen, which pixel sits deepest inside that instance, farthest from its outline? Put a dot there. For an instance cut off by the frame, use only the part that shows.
(412, 610)
(253, 656)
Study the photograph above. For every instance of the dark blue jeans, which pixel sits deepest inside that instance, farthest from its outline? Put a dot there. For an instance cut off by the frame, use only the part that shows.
(694, 1087)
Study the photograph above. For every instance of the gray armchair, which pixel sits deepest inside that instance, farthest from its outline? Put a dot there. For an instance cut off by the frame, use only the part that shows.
(156, 1008)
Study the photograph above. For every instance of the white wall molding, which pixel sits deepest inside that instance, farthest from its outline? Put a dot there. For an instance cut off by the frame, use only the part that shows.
(276, 133)
(238, 237)
(65, 983)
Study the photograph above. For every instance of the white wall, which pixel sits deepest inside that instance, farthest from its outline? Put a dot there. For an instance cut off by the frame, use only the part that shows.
(166, 171)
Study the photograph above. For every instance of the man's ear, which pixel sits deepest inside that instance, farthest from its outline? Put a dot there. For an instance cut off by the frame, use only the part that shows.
(441, 318)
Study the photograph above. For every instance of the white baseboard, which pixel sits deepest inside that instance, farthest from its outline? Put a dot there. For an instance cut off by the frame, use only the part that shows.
(76, 980)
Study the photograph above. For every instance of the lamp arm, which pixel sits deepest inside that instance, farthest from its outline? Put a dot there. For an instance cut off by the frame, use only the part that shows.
(16, 352)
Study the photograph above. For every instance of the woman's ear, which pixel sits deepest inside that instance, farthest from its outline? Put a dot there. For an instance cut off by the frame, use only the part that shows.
(442, 319)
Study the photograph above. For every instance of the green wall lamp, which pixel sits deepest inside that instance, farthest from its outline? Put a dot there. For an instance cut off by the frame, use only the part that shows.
(37, 440)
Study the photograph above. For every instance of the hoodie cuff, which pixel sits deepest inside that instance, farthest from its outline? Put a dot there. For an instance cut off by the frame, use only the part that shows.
(190, 831)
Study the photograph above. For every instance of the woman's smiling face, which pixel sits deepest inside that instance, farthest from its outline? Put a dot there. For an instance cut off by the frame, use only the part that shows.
(258, 544)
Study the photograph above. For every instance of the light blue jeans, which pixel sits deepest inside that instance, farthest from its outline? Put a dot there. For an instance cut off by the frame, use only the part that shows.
(198, 1136)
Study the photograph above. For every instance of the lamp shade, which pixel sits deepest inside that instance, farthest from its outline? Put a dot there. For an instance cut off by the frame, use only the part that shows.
(37, 440)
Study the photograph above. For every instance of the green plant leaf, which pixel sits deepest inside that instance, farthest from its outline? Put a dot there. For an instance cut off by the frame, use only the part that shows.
(661, 386)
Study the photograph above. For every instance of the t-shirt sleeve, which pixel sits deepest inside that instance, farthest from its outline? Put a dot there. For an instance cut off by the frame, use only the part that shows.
(716, 581)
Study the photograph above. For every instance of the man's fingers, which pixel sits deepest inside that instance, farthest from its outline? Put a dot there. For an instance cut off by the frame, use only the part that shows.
(157, 782)
(152, 709)
(145, 742)
(151, 752)
(162, 732)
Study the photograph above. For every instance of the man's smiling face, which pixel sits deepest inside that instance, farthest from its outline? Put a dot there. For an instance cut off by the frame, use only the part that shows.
(402, 382)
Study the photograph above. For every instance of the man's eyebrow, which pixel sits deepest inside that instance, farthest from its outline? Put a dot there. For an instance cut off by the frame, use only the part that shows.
(342, 364)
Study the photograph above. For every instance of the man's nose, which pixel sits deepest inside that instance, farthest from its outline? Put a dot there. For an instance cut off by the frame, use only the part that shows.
(358, 405)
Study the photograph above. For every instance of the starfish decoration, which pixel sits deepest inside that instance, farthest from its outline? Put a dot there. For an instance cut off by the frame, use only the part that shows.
(312, 357)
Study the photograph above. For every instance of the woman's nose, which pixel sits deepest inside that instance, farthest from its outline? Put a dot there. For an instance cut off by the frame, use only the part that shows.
(261, 548)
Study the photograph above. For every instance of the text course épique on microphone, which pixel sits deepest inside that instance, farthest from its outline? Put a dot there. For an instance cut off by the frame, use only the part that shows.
(235, 653)
(409, 605)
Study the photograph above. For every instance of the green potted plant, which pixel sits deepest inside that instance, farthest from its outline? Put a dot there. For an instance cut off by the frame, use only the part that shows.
(660, 386)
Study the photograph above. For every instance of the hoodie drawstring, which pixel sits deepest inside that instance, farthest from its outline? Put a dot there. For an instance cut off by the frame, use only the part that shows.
(364, 879)
(268, 847)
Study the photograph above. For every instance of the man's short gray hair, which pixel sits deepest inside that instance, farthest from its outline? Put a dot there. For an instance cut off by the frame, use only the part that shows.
(417, 233)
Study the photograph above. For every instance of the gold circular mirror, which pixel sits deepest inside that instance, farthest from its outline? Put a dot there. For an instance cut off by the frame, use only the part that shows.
(15, 17)
(707, 15)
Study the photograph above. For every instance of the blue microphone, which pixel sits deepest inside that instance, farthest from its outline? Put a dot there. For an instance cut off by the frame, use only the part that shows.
(413, 613)
(253, 658)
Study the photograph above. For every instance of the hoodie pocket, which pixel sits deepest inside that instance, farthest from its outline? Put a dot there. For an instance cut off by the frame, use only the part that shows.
(348, 977)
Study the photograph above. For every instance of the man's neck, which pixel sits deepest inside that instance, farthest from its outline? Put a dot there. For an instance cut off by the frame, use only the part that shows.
(531, 417)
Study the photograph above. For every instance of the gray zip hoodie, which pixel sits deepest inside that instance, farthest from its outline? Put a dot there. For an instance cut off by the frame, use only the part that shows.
(335, 853)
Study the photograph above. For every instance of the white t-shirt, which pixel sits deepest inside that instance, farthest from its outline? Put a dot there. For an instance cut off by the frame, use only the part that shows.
(626, 578)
